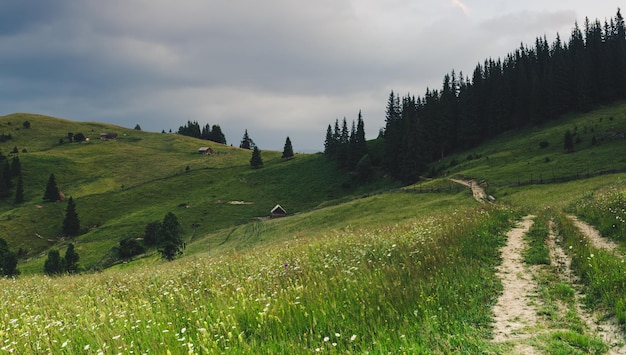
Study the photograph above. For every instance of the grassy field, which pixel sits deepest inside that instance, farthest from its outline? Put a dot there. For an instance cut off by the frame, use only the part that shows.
(369, 269)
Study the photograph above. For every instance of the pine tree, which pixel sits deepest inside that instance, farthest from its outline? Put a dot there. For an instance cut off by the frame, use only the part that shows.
(53, 264)
(217, 135)
(256, 161)
(71, 223)
(170, 242)
(70, 260)
(8, 260)
(329, 143)
(16, 167)
(288, 149)
(246, 141)
(52, 190)
(19, 191)
(151, 234)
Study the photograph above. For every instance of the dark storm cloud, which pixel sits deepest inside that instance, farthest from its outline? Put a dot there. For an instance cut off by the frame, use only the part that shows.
(273, 67)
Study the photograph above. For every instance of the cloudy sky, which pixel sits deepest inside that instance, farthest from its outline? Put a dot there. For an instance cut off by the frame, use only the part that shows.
(276, 67)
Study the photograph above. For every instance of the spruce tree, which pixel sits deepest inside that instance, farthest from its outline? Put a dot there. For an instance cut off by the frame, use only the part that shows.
(71, 223)
(70, 260)
(52, 190)
(53, 264)
(8, 260)
(151, 234)
(170, 242)
(287, 150)
(246, 141)
(256, 161)
(16, 166)
(329, 143)
(19, 191)
(217, 135)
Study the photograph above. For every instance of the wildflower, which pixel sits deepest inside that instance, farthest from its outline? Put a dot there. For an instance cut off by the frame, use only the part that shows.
(353, 337)
(326, 339)
(86, 347)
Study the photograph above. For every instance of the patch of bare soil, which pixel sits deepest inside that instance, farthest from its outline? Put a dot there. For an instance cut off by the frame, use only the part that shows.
(593, 235)
(515, 309)
(477, 190)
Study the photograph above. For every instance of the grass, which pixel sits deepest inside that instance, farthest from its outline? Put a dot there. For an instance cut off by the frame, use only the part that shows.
(351, 270)
(425, 283)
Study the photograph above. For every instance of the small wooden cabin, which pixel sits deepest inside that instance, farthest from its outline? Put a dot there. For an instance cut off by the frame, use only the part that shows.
(278, 211)
(108, 135)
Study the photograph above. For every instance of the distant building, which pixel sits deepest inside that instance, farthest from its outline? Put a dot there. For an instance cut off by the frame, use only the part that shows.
(205, 150)
(278, 211)
(108, 135)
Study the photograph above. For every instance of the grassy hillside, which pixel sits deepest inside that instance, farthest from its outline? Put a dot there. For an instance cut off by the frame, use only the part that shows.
(519, 157)
(121, 185)
(350, 271)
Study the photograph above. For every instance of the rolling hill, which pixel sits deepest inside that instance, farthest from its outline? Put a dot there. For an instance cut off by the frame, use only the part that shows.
(375, 268)
(122, 184)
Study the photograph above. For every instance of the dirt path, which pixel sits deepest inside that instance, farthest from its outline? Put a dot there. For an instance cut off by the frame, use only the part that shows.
(477, 190)
(593, 235)
(515, 309)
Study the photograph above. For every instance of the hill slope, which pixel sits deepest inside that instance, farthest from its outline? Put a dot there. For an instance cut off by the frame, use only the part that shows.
(121, 185)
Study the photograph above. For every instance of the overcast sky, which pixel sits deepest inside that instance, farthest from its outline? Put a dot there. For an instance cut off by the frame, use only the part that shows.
(276, 67)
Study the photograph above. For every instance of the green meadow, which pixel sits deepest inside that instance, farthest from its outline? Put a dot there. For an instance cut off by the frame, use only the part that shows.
(374, 268)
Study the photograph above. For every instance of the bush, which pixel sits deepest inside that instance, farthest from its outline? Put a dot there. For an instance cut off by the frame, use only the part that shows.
(543, 144)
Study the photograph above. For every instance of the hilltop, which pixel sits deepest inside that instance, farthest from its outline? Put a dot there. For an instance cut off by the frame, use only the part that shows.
(119, 185)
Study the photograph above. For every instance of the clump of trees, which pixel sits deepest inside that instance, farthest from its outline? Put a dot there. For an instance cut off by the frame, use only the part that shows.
(166, 236)
(55, 265)
(192, 129)
(347, 147)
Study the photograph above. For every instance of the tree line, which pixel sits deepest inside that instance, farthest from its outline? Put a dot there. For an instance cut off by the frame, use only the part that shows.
(348, 147)
(530, 86)
(193, 129)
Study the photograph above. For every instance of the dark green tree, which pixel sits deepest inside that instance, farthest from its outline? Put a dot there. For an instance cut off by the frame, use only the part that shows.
(26, 124)
(151, 234)
(79, 137)
(70, 260)
(170, 242)
(137, 127)
(217, 135)
(16, 166)
(365, 168)
(288, 149)
(8, 260)
(256, 161)
(71, 223)
(246, 141)
(19, 190)
(53, 264)
(568, 142)
(5, 179)
(128, 248)
(52, 190)
(329, 143)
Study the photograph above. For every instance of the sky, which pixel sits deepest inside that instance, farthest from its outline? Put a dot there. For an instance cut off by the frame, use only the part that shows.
(277, 68)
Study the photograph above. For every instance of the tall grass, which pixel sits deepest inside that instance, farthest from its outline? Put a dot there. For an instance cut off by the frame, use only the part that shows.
(606, 210)
(602, 272)
(422, 286)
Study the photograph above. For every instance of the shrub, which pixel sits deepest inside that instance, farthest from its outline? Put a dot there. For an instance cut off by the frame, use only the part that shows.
(543, 144)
